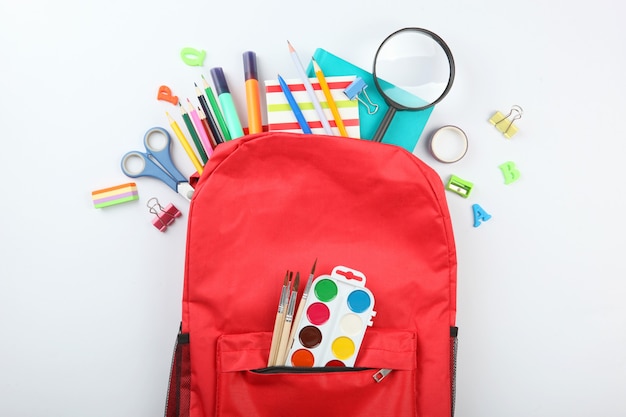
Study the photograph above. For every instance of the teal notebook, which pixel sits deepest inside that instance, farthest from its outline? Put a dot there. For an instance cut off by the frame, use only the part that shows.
(405, 128)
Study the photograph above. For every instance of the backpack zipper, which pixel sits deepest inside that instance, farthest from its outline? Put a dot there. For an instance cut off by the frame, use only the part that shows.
(378, 376)
(381, 374)
(303, 370)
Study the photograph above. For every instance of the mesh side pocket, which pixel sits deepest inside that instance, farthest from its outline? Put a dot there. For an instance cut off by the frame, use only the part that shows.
(179, 388)
(454, 343)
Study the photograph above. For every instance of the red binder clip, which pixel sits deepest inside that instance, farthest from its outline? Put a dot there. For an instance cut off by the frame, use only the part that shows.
(164, 216)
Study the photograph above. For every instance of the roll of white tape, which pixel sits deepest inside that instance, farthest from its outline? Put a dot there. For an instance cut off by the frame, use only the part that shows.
(448, 144)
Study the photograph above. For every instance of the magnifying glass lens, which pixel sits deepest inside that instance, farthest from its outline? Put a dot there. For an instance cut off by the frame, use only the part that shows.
(413, 69)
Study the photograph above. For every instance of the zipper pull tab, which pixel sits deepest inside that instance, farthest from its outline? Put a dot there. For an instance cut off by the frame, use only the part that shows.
(381, 374)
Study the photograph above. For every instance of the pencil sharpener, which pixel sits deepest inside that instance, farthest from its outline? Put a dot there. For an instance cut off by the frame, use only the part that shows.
(459, 186)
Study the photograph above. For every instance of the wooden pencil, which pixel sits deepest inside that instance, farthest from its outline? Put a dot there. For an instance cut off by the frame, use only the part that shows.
(329, 98)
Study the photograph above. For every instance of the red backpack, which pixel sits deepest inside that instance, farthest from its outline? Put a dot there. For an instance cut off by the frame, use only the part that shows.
(273, 202)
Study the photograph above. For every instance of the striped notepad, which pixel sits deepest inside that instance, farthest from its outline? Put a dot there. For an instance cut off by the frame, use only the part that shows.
(281, 118)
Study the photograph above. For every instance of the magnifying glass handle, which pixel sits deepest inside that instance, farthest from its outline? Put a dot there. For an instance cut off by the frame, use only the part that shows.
(384, 124)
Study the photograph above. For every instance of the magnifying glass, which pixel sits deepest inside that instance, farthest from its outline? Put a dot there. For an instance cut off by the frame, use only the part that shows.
(413, 70)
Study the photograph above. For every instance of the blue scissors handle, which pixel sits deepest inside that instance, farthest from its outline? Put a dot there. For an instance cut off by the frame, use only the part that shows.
(164, 170)
(162, 154)
(148, 168)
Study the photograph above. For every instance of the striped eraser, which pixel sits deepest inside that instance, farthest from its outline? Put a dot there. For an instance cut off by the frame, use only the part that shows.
(115, 195)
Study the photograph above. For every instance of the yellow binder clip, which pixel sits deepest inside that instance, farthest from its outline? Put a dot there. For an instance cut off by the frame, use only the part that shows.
(505, 123)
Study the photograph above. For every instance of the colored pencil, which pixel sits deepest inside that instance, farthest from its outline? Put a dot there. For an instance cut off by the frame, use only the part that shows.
(215, 130)
(329, 98)
(194, 134)
(217, 112)
(200, 129)
(183, 141)
(294, 106)
(309, 89)
(207, 129)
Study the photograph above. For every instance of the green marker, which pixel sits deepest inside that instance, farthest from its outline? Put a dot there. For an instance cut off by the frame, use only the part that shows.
(228, 105)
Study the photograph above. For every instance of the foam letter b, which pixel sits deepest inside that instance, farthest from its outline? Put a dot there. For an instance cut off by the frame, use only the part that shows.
(510, 172)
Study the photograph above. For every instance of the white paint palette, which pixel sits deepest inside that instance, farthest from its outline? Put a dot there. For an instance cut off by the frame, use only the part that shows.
(337, 312)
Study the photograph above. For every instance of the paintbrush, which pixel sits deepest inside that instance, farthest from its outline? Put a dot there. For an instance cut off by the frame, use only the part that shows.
(280, 318)
(296, 320)
(284, 338)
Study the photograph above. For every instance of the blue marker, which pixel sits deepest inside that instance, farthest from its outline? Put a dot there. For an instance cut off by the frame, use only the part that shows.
(226, 101)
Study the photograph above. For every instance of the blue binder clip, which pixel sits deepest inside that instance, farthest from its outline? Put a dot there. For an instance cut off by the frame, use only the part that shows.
(357, 87)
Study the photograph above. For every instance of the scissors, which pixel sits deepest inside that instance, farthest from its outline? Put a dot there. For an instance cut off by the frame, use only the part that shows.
(157, 163)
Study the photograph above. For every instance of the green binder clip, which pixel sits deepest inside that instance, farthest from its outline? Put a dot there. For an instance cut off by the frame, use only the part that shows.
(459, 186)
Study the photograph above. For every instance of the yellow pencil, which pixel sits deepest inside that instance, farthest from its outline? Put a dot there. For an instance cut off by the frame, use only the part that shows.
(329, 98)
(183, 141)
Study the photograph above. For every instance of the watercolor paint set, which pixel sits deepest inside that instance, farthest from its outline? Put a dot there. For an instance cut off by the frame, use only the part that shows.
(337, 313)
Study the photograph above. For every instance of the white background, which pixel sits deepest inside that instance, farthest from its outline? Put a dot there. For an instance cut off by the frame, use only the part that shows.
(90, 299)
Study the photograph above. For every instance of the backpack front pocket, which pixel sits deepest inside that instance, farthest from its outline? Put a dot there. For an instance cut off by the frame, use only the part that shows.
(246, 387)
